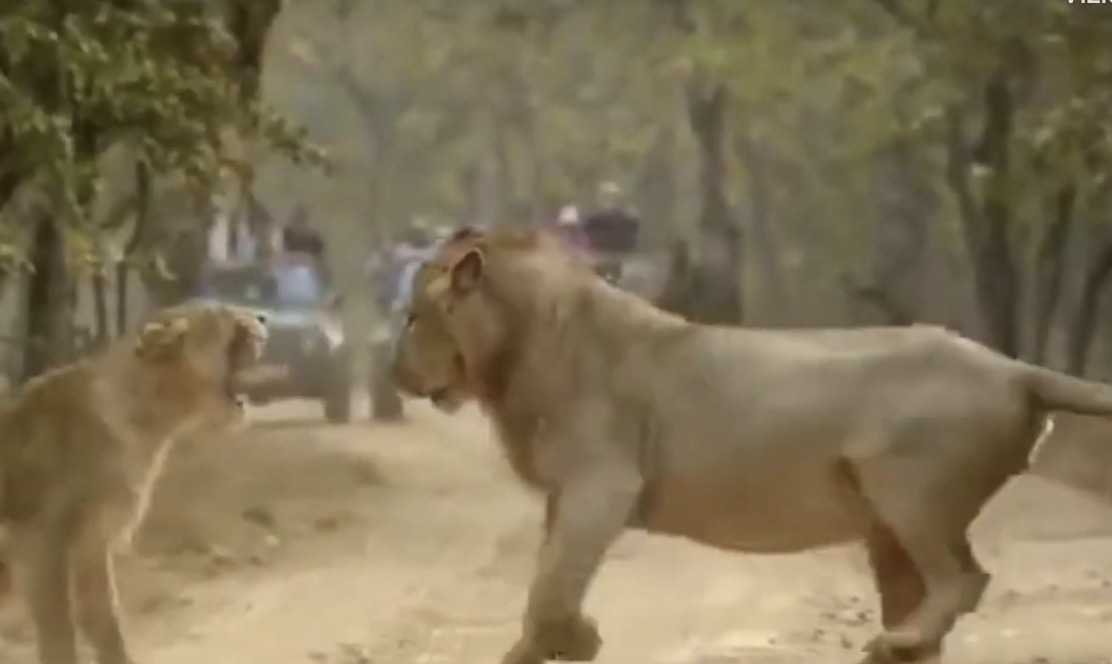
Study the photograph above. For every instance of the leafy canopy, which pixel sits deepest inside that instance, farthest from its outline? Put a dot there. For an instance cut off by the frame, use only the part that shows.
(163, 76)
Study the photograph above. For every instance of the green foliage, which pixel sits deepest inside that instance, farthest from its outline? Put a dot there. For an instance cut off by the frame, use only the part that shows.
(78, 78)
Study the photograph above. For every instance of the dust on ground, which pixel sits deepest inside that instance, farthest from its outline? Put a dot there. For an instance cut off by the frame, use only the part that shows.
(300, 543)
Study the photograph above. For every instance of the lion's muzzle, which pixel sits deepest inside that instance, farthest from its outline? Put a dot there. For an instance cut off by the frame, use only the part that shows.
(444, 397)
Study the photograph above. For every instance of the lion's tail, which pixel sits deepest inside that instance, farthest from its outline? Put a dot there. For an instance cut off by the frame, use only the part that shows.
(1054, 390)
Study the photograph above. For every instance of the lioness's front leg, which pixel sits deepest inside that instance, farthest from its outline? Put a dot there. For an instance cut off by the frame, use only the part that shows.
(97, 602)
(583, 519)
(43, 577)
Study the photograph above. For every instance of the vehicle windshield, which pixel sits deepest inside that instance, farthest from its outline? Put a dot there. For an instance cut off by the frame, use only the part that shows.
(297, 285)
(293, 285)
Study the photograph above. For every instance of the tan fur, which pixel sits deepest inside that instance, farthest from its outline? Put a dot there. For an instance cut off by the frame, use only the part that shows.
(748, 440)
(81, 448)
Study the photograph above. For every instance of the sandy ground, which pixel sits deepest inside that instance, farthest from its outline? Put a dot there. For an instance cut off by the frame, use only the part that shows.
(296, 543)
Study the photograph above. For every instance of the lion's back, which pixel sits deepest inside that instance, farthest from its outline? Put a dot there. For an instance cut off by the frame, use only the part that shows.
(712, 376)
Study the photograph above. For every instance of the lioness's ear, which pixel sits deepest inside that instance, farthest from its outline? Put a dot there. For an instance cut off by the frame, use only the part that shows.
(467, 272)
(161, 339)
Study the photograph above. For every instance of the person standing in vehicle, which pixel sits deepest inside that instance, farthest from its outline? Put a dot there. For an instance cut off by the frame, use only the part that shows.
(612, 231)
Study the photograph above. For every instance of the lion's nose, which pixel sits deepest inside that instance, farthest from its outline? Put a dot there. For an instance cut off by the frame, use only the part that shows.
(261, 318)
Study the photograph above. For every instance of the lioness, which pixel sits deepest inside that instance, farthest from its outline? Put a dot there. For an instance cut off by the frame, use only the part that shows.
(742, 439)
(81, 447)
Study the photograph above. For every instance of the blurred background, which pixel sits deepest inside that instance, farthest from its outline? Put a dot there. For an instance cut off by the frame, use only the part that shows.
(804, 164)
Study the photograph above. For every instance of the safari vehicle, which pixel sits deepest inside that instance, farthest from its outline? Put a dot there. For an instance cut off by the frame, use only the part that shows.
(307, 355)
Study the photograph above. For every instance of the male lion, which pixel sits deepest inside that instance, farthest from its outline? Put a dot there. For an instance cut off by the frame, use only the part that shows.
(742, 439)
(81, 447)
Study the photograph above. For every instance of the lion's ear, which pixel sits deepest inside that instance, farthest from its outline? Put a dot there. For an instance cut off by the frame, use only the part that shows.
(161, 339)
(467, 271)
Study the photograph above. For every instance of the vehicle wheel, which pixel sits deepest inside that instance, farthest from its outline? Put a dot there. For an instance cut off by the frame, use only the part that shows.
(337, 395)
(386, 403)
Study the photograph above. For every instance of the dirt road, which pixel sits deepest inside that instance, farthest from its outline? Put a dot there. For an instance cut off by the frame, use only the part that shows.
(297, 543)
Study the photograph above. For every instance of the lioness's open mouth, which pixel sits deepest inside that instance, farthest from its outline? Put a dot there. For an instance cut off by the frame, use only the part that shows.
(233, 394)
(243, 356)
(234, 387)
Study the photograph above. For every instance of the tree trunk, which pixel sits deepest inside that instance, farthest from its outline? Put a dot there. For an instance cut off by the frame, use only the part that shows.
(676, 295)
(100, 309)
(893, 285)
(1084, 328)
(50, 302)
(123, 277)
(1049, 269)
(717, 276)
(488, 192)
(9, 184)
(986, 226)
(998, 289)
(260, 225)
(533, 141)
(880, 298)
(504, 174)
(123, 270)
(767, 248)
(997, 278)
(657, 187)
(249, 21)
(231, 222)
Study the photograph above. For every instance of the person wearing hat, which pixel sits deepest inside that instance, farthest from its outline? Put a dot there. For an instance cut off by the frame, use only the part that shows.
(611, 231)
(568, 228)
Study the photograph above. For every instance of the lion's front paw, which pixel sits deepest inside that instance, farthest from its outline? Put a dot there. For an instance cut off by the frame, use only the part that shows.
(901, 647)
(523, 652)
(574, 639)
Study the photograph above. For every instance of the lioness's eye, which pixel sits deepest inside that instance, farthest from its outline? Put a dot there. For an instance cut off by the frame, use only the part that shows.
(410, 319)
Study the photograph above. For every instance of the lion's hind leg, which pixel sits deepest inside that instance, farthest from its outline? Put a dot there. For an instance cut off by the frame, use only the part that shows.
(898, 582)
(954, 587)
(922, 534)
